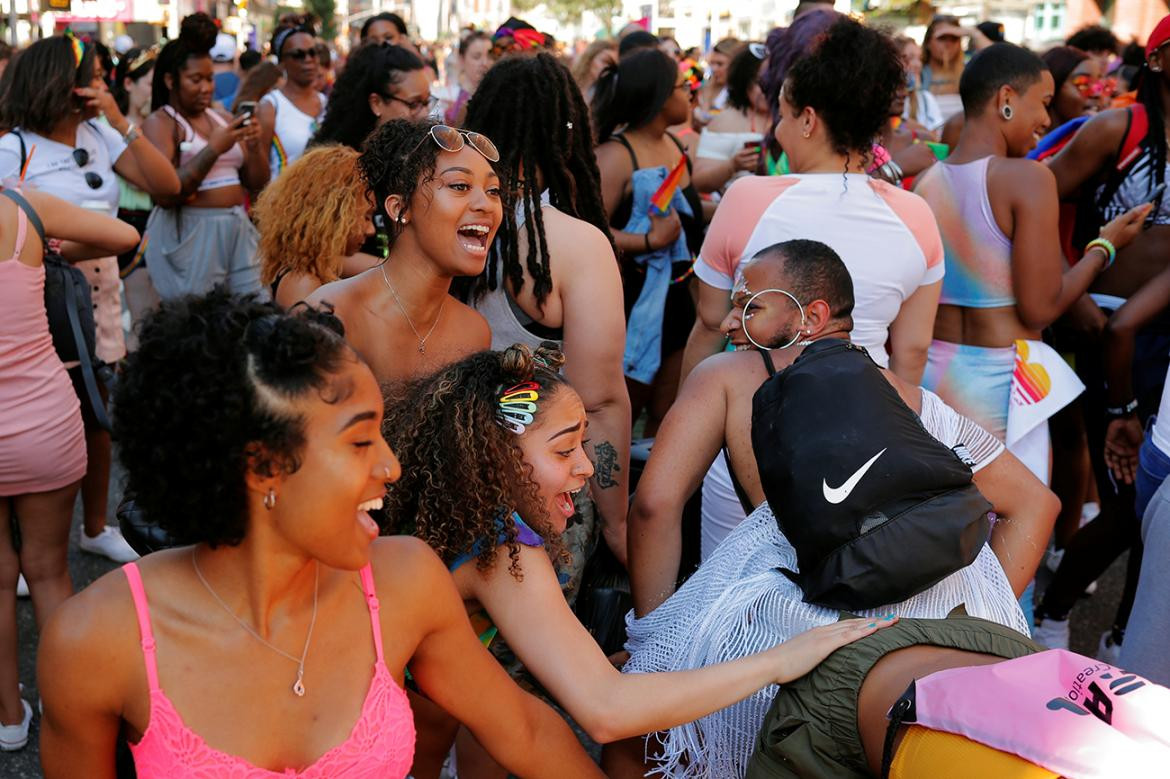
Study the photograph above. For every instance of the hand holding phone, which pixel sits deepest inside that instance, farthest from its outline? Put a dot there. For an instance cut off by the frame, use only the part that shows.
(246, 109)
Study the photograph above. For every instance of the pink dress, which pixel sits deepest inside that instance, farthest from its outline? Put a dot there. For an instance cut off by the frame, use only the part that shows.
(42, 443)
(380, 746)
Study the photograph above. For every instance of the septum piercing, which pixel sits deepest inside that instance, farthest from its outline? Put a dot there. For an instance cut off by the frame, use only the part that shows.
(795, 338)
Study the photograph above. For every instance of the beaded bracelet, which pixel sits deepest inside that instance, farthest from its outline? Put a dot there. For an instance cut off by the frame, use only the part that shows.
(1105, 245)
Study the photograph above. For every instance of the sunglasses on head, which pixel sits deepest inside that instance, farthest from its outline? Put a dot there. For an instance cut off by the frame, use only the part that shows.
(300, 55)
(452, 140)
(92, 180)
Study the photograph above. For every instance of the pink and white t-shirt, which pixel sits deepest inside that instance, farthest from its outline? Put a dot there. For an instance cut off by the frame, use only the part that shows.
(886, 236)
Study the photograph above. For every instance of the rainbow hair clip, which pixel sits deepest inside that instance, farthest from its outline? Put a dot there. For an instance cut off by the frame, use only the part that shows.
(78, 47)
(692, 73)
(517, 406)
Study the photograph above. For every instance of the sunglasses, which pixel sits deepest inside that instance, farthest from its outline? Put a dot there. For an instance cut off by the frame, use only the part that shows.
(300, 55)
(413, 105)
(92, 180)
(1094, 87)
(452, 140)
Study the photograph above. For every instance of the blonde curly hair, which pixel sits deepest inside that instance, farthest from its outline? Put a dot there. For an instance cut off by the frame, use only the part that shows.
(307, 216)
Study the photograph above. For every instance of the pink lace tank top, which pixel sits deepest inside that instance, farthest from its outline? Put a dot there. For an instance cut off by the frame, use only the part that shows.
(226, 170)
(381, 744)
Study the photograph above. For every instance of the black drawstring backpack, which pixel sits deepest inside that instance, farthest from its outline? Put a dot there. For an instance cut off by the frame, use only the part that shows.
(876, 508)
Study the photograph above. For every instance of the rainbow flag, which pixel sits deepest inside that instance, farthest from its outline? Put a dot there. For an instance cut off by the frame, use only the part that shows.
(1042, 384)
(660, 201)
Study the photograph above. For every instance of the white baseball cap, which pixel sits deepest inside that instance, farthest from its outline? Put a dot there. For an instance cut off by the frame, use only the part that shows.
(224, 49)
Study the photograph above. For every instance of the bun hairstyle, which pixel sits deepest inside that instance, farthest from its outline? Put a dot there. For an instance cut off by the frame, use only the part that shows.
(850, 78)
(463, 472)
(396, 159)
(196, 37)
(215, 379)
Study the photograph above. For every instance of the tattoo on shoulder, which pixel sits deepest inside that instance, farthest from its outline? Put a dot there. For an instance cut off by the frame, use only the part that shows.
(605, 465)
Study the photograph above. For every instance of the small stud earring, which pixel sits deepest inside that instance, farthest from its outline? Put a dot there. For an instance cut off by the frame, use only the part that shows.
(805, 134)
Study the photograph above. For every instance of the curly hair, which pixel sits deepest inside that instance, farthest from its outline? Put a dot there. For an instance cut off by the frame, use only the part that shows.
(208, 395)
(196, 37)
(536, 105)
(463, 472)
(39, 83)
(397, 159)
(372, 69)
(742, 73)
(854, 108)
(307, 216)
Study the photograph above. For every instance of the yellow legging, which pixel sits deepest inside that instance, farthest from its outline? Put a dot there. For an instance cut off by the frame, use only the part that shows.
(928, 754)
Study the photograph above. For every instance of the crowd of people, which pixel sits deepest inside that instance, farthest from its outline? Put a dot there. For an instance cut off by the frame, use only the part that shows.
(455, 412)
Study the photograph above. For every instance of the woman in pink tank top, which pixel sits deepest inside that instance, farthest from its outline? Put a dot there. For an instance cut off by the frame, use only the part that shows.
(201, 236)
(275, 643)
(42, 445)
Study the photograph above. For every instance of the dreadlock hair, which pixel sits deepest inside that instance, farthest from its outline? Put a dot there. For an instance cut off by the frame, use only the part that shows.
(463, 472)
(309, 214)
(372, 69)
(397, 159)
(196, 37)
(536, 105)
(39, 83)
(634, 91)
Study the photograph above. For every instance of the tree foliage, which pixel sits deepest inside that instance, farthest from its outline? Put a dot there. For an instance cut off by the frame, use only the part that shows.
(571, 11)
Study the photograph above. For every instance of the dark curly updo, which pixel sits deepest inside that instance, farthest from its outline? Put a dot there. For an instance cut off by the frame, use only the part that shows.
(850, 78)
(208, 395)
(463, 472)
(196, 37)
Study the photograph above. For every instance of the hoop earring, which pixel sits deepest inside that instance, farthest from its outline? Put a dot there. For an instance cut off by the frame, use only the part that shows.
(1006, 112)
(791, 297)
(270, 499)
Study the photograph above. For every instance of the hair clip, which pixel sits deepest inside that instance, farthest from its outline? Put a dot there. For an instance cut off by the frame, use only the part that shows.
(78, 47)
(569, 125)
(517, 406)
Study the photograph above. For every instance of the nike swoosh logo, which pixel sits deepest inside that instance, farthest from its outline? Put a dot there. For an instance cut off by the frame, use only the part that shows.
(838, 494)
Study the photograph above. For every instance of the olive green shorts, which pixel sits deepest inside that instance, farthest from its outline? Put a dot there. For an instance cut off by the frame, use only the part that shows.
(810, 732)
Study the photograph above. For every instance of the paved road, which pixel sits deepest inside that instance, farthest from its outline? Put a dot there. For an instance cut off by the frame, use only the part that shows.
(1090, 619)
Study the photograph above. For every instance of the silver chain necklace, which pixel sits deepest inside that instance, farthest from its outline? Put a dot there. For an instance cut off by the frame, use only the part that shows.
(422, 340)
(299, 685)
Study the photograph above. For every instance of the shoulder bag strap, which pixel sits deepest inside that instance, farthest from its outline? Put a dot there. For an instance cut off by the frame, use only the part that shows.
(30, 212)
(72, 300)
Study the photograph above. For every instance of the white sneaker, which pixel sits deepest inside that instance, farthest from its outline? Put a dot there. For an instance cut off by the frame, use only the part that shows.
(14, 737)
(1108, 651)
(21, 587)
(1052, 633)
(108, 543)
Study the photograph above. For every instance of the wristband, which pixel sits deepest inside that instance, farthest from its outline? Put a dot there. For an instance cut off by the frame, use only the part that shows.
(1115, 412)
(131, 134)
(1105, 245)
(646, 236)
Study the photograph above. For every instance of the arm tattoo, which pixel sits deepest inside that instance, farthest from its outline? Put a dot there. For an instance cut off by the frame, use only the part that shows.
(606, 464)
(192, 173)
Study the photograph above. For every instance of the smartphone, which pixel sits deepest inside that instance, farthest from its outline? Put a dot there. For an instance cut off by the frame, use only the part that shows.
(247, 108)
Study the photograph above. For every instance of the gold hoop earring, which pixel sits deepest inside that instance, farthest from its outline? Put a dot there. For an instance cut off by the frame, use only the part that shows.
(270, 499)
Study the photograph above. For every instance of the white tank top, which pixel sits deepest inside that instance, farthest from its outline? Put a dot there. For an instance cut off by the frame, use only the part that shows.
(291, 131)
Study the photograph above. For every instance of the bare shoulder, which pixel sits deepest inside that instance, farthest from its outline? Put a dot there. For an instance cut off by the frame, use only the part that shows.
(575, 238)
(728, 372)
(341, 294)
(1024, 179)
(96, 628)
(408, 573)
(475, 330)
(613, 155)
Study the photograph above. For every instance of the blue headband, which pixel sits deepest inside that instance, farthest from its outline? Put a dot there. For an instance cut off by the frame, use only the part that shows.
(282, 36)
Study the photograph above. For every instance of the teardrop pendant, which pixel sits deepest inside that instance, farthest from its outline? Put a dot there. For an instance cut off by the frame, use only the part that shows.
(299, 686)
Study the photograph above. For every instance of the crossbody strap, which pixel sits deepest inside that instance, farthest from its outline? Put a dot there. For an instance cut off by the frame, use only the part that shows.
(28, 210)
